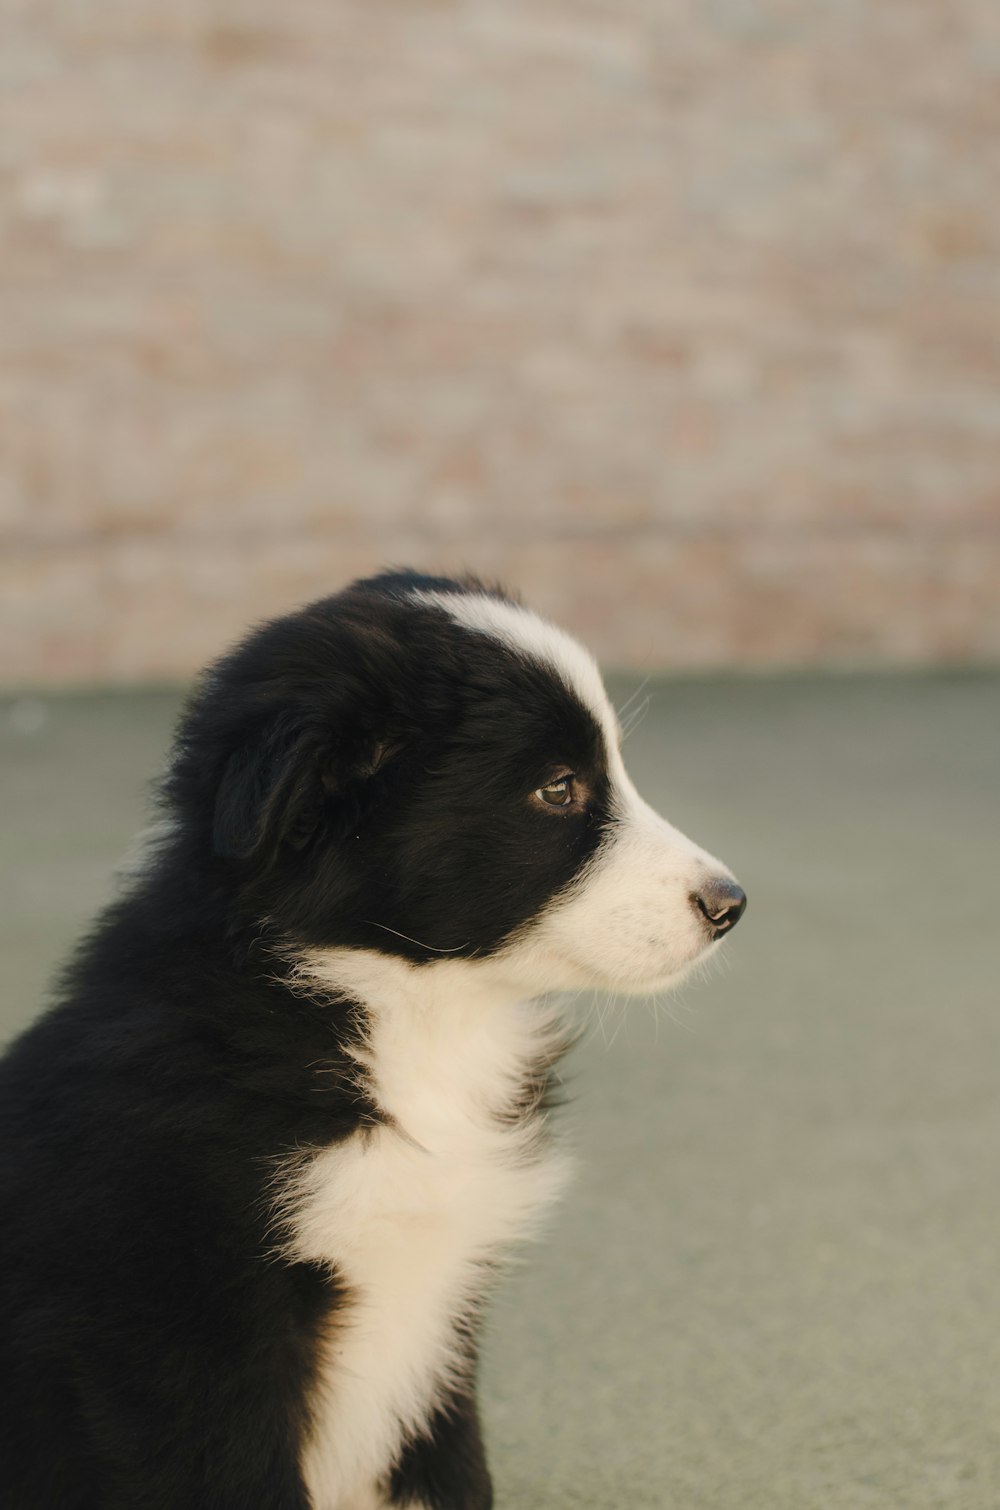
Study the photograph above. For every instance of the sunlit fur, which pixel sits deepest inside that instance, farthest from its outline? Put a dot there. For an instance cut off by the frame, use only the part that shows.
(261, 1162)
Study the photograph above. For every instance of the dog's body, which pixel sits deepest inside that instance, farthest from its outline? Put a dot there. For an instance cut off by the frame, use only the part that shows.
(259, 1164)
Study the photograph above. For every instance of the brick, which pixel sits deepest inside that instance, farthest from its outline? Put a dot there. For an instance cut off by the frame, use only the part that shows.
(682, 317)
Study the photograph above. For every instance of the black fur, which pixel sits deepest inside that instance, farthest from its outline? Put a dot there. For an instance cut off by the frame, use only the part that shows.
(446, 1468)
(358, 773)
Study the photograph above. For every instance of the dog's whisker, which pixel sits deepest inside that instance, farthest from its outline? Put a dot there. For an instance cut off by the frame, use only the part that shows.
(636, 718)
(621, 1018)
(632, 697)
(457, 948)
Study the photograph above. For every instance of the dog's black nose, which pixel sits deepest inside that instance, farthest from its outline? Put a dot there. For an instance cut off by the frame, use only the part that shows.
(721, 903)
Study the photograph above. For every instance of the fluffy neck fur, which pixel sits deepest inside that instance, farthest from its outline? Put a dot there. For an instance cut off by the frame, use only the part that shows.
(414, 1212)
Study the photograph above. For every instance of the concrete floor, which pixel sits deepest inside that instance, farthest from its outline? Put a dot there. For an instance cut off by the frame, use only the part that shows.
(775, 1284)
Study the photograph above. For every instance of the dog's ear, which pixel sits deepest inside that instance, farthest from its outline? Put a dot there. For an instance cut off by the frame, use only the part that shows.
(339, 772)
(270, 791)
(276, 789)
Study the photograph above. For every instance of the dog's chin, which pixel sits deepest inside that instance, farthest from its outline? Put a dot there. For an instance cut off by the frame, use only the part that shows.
(548, 965)
(648, 985)
(569, 974)
(655, 981)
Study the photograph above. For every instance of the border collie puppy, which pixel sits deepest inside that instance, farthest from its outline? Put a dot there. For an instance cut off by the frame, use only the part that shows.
(259, 1164)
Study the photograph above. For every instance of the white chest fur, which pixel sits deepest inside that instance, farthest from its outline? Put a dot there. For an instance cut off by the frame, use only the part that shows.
(410, 1211)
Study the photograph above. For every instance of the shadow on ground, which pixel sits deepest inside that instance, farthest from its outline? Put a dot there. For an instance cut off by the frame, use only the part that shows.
(774, 1285)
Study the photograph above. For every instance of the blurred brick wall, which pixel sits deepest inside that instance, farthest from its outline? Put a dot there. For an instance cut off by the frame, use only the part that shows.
(681, 315)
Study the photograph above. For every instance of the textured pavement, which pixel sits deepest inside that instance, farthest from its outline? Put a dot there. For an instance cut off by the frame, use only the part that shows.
(774, 1284)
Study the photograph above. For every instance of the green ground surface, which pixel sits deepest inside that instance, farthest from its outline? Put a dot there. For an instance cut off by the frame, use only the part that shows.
(775, 1284)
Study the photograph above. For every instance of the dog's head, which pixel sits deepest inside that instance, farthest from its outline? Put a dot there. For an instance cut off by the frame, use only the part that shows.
(421, 767)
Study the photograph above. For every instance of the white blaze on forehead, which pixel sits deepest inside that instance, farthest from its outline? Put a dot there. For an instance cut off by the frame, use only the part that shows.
(523, 631)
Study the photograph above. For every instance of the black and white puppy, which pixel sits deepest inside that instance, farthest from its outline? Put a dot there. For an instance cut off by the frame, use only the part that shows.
(259, 1163)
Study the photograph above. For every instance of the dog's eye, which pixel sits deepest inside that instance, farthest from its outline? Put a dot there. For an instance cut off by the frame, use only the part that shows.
(557, 793)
